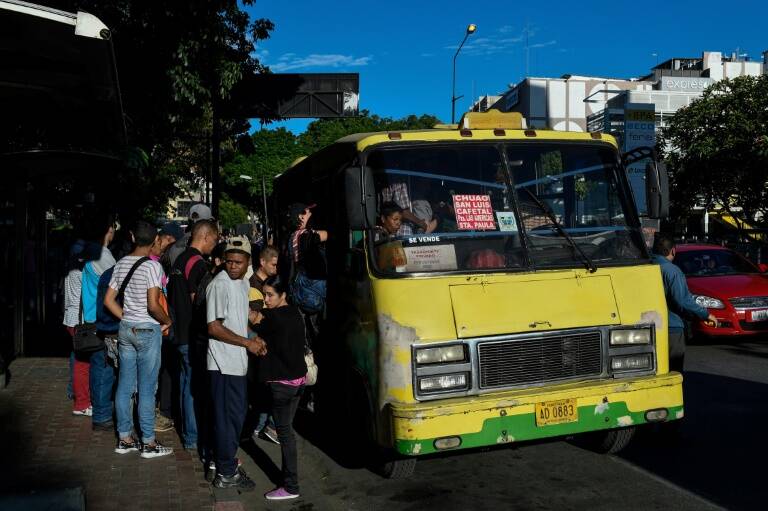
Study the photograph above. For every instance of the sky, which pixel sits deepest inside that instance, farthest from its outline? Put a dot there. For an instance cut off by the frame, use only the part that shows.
(403, 50)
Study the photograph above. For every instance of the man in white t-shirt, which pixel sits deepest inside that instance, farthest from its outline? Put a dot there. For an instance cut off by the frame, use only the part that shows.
(227, 360)
(142, 322)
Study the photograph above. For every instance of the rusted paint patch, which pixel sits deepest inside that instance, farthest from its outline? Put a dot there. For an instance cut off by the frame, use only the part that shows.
(504, 439)
(416, 448)
(652, 317)
(602, 407)
(626, 420)
(679, 414)
(395, 359)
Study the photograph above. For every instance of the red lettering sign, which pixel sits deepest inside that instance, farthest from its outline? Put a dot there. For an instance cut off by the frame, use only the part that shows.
(474, 212)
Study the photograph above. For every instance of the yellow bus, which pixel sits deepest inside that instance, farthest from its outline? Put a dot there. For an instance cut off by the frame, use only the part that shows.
(516, 302)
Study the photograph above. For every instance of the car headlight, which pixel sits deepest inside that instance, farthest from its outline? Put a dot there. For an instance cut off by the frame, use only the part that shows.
(456, 381)
(441, 354)
(627, 336)
(708, 302)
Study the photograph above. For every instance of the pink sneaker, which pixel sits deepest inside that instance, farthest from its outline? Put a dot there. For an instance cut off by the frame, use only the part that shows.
(280, 494)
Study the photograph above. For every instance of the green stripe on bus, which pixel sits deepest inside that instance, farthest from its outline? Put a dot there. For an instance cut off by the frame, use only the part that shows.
(516, 428)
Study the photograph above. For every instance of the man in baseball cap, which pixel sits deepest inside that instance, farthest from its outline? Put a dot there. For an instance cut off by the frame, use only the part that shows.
(227, 360)
(196, 213)
(200, 212)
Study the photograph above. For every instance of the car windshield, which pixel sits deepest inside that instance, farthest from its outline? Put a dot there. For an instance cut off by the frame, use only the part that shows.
(457, 207)
(703, 263)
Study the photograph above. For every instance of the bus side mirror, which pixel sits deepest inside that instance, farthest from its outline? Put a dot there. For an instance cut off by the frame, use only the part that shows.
(360, 198)
(657, 189)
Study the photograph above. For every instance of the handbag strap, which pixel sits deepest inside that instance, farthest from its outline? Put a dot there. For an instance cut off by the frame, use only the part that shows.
(127, 279)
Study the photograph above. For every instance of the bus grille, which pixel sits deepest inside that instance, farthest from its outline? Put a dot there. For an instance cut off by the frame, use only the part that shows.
(539, 360)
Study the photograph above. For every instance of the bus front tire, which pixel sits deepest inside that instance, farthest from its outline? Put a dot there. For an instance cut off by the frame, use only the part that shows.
(610, 441)
(398, 468)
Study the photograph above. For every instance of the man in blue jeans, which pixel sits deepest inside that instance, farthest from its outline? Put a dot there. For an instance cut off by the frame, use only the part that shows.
(137, 282)
(102, 371)
(680, 302)
(187, 273)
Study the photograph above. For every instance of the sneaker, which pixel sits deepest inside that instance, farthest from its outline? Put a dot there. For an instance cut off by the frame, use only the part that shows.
(210, 471)
(126, 447)
(270, 434)
(239, 481)
(162, 423)
(85, 412)
(280, 494)
(103, 426)
(154, 450)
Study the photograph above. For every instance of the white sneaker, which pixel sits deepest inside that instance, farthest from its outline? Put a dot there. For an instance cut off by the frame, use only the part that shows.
(86, 412)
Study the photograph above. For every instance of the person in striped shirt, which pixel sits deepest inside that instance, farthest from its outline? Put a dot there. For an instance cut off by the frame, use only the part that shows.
(142, 324)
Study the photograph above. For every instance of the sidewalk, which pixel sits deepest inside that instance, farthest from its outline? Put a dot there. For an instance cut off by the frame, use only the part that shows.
(46, 449)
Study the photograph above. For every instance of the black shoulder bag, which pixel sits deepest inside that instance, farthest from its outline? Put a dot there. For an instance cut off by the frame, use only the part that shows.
(85, 339)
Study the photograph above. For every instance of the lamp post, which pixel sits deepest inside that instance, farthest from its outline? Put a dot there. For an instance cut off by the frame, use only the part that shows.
(471, 28)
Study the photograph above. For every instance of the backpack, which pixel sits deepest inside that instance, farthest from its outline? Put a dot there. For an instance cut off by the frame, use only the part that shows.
(179, 301)
(308, 285)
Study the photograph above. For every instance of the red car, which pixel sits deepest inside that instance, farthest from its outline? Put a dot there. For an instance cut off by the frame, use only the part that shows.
(731, 287)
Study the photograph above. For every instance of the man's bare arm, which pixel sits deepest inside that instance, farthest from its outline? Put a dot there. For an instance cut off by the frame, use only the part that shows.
(110, 302)
(221, 333)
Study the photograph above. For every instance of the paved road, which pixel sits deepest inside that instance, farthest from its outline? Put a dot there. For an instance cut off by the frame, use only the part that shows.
(718, 459)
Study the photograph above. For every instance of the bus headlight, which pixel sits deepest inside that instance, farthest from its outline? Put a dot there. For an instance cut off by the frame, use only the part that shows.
(708, 302)
(456, 381)
(441, 354)
(625, 337)
(631, 362)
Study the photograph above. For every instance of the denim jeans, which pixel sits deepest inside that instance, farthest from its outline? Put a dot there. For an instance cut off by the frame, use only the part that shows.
(285, 400)
(102, 380)
(186, 398)
(139, 348)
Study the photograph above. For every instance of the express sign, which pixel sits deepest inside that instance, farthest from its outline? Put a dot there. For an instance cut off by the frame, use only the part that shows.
(686, 84)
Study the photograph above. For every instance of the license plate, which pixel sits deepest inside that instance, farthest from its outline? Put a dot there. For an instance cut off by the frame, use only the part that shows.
(760, 315)
(556, 412)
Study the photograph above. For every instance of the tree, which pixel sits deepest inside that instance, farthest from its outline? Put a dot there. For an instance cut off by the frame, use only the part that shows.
(231, 213)
(273, 151)
(176, 59)
(717, 150)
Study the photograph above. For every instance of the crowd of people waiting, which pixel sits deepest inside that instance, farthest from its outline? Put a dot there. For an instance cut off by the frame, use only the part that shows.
(208, 316)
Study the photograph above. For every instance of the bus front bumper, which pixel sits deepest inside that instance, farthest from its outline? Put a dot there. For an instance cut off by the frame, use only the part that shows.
(510, 416)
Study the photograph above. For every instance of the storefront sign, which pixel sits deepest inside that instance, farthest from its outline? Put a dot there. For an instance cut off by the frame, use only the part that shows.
(639, 131)
(474, 212)
(430, 258)
(684, 83)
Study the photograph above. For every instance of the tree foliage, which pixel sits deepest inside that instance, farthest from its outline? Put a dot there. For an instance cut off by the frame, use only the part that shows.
(717, 150)
(175, 60)
(274, 150)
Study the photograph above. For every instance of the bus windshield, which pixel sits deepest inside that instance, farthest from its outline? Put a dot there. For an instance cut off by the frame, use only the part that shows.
(491, 207)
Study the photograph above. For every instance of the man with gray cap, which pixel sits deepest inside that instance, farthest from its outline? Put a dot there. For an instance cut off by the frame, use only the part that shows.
(196, 212)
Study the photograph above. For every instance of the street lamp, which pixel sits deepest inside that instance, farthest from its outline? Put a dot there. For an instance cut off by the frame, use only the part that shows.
(471, 28)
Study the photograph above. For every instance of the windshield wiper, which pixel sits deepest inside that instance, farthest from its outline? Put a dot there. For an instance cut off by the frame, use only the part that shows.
(559, 228)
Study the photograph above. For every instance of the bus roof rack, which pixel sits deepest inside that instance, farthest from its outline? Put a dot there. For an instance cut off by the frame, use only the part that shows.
(492, 119)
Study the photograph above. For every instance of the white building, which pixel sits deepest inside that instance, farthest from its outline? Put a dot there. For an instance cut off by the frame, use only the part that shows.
(577, 103)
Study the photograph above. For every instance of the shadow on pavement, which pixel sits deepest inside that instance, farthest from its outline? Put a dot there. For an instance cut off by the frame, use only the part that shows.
(719, 450)
(263, 461)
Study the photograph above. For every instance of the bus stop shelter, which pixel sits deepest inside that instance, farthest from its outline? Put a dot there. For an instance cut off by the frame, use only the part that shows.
(61, 126)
